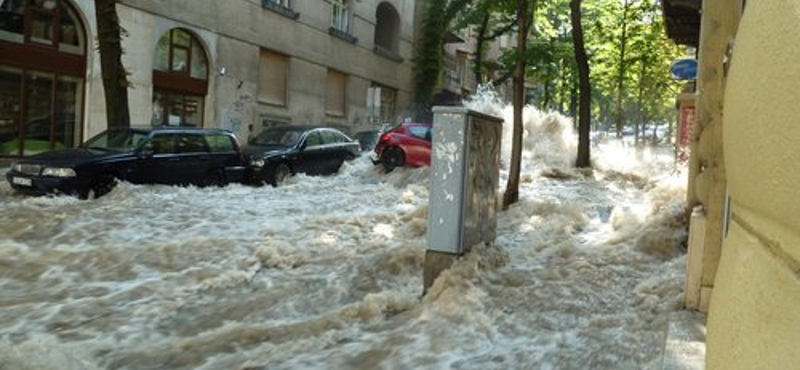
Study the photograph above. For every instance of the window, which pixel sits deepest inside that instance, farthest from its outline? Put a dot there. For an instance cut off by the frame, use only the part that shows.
(335, 93)
(162, 144)
(220, 143)
(420, 132)
(283, 3)
(332, 137)
(179, 80)
(44, 22)
(387, 31)
(179, 52)
(176, 109)
(273, 75)
(191, 143)
(42, 69)
(282, 7)
(386, 98)
(313, 139)
(340, 15)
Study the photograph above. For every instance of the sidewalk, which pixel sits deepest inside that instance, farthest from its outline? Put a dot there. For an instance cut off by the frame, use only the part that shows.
(685, 347)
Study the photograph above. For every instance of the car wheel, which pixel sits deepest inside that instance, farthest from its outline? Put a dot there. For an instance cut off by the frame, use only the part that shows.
(281, 173)
(101, 186)
(214, 178)
(392, 158)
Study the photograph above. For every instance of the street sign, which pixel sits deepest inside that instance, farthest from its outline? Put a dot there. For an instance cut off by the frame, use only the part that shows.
(684, 69)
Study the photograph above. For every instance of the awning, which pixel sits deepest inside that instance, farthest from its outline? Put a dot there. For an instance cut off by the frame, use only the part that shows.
(682, 21)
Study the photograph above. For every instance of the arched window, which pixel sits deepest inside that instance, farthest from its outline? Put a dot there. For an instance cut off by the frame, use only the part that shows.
(387, 30)
(180, 80)
(42, 69)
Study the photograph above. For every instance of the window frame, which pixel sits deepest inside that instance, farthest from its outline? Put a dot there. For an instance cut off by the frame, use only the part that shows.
(264, 94)
(340, 15)
(333, 76)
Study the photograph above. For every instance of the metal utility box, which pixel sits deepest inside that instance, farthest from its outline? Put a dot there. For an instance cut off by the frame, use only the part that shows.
(465, 165)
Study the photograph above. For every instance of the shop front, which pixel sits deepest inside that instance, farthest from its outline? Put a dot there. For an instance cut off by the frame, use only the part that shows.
(42, 76)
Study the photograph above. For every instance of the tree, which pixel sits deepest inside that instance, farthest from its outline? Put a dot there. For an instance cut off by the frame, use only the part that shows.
(622, 65)
(436, 19)
(525, 9)
(115, 79)
(584, 103)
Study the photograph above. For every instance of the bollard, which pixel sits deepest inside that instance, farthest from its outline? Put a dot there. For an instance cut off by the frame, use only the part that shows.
(465, 172)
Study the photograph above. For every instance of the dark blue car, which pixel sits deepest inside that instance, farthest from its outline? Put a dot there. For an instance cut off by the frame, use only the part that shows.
(140, 155)
(277, 153)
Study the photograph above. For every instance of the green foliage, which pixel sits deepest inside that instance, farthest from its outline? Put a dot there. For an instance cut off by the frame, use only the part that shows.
(646, 93)
(428, 57)
(437, 17)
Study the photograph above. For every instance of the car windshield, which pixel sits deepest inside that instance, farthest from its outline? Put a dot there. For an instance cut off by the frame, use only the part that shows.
(285, 136)
(119, 140)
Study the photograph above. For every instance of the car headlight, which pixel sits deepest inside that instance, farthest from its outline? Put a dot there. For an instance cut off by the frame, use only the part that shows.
(257, 162)
(58, 172)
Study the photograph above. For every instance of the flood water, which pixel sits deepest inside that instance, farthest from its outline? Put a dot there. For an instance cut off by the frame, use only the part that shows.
(326, 273)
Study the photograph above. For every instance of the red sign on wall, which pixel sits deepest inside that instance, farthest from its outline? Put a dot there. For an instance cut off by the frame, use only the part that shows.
(685, 131)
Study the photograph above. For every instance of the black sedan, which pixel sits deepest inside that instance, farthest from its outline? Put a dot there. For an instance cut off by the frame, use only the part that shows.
(146, 155)
(279, 152)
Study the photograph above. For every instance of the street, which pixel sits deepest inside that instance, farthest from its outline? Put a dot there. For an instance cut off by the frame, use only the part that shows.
(326, 272)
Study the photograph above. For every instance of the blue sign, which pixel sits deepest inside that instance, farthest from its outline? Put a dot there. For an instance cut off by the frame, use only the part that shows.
(684, 69)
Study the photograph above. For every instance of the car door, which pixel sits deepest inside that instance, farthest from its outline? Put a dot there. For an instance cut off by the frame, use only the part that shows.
(311, 158)
(193, 158)
(336, 148)
(419, 153)
(156, 160)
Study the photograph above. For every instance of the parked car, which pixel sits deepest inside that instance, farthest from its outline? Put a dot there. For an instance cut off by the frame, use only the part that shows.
(140, 155)
(406, 145)
(280, 152)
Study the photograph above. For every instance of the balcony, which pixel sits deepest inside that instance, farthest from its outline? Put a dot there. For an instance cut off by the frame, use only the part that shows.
(335, 32)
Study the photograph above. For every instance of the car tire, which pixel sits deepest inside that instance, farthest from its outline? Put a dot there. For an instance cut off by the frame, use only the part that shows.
(392, 158)
(280, 174)
(100, 186)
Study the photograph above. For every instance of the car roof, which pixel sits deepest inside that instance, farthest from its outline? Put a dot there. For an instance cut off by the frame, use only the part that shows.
(306, 128)
(150, 128)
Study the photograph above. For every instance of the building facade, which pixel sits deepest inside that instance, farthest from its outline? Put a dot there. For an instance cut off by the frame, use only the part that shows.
(242, 65)
(743, 177)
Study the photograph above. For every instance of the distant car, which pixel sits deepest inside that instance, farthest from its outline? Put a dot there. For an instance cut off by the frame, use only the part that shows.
(406, 145)
(140, 155)
(280, 152)
(367, 139)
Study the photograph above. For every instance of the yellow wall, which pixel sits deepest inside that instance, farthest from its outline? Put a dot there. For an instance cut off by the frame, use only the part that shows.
(754, 318)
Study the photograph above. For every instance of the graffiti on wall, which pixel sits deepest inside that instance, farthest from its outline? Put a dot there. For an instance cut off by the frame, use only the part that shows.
(237, 114)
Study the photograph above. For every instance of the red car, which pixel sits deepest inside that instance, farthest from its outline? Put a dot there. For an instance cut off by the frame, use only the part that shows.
(406, 145)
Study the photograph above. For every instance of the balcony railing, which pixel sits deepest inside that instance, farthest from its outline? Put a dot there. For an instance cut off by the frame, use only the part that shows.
(342, 35)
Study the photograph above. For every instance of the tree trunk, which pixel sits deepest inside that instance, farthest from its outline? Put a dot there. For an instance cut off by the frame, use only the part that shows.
(480, 43)
(512, 188)
(640, 120)
(584, 125)
(618, 118)
(115, 78)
